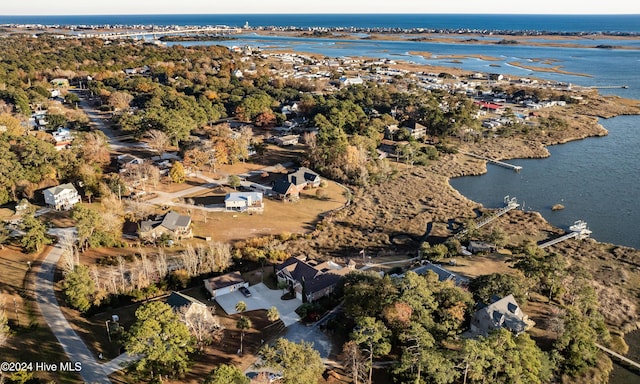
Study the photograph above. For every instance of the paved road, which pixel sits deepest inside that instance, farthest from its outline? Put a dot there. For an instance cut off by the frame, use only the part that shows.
(73, 345)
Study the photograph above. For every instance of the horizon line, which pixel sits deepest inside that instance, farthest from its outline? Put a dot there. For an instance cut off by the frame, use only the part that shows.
(324, 13)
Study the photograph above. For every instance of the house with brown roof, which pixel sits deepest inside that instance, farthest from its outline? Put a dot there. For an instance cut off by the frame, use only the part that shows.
(223, 284)
(310, 279)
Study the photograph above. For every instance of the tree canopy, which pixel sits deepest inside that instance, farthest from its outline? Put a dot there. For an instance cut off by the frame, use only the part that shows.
(161, 339)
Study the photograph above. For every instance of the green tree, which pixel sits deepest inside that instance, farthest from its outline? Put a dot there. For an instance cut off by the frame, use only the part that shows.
(35, 234)
(241, 306)
(177, 173)
(500, 284)
(79, 288)
(234, 181)
(273, 314)
(575, 350)
(504, 358)
(161, 339)
(373, 337)
(243, 324)
(299, 363)
(227, 374)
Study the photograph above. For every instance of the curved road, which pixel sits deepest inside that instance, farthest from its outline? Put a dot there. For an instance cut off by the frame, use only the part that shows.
(74, 347)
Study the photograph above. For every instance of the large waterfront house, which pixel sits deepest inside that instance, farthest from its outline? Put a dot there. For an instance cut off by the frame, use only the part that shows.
(62, 197)
(501, 313)
(309, 279)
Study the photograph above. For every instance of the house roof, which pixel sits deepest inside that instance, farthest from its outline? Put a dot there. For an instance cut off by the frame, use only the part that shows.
(302, 176)
(314, 279)
(503, 313)
(61, 188)
(243, 196)
(225, 280)
(282, 186)
(443, 274)
(178, 300)
(173, 220)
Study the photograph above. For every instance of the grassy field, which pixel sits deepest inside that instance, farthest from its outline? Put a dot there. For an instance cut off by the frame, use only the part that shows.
(278, 216)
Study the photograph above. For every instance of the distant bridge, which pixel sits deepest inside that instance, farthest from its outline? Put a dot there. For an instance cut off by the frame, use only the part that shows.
(119, 35)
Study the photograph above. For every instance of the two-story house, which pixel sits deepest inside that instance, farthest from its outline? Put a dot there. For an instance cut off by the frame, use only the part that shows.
(61, 197)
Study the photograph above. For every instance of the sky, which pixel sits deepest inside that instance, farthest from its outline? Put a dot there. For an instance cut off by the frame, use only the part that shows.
(135, 7)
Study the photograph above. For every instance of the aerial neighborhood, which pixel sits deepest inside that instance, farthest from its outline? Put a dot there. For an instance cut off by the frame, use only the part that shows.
(204, 209)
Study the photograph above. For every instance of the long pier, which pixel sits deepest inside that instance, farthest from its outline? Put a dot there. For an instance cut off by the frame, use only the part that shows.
(619, 357)
(516, 168)
(510, 204)
(578, 230)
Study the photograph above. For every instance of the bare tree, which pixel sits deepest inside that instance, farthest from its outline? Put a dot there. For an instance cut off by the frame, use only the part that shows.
(120, 100)
(161, 263)
(221, 255)
(157, 140)
(202, 324)
(122, 269)
(355, 363)
(70, 255)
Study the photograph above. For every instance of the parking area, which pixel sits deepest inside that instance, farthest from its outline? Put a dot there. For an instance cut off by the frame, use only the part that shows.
(262, 298)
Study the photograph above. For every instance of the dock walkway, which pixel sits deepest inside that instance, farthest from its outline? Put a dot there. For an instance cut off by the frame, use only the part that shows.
(516, 168)
(619, 357)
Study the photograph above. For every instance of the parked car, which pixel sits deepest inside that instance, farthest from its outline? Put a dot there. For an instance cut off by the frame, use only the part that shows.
(245, 291)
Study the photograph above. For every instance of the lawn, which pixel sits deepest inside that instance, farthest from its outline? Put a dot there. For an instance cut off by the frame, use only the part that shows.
(278, 217)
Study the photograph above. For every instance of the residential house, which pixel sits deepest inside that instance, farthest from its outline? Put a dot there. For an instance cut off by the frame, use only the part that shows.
(174, 224)
(227, 283)
(180, 302)
(289, 187)
(62, 137)
(501, 313)
(416, 130)
(60, 82)
(391, 132)
(311, 280)
(346, 81)
(244, 202)
(287, 140)
(480, 246)
(443, 274)
(62, 197)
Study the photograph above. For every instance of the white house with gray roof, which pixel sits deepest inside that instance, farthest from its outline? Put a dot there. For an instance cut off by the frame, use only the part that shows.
(61, 197)
(244, 202)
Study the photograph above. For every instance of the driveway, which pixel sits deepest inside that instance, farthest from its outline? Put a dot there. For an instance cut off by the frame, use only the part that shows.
(262, 298)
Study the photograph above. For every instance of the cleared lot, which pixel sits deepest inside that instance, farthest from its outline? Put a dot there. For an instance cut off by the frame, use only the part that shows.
(262, 298)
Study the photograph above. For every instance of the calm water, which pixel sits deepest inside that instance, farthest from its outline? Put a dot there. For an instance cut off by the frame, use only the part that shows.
(550, 23)
(578, 175)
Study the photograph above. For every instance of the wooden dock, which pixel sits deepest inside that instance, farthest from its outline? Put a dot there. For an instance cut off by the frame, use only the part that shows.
(578, 230)
(622, 359)
(516, 168)
(510, 204)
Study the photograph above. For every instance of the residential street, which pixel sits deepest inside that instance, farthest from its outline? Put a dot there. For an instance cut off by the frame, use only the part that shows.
(73, 345)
